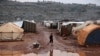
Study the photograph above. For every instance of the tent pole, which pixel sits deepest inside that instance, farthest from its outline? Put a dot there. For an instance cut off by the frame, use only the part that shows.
(12, 35)
(1, 35)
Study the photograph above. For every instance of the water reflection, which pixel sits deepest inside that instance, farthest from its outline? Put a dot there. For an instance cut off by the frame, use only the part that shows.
(53, 53)
(10, 53)
(89, 53)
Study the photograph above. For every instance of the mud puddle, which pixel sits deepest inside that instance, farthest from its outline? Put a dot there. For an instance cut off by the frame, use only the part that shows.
(53, 52)
(49, 53)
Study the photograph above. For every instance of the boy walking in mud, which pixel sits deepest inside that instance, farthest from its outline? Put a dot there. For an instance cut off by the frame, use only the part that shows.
(51, 39)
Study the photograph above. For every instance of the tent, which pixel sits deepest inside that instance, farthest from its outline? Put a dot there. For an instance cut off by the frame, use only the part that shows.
(10, 31)
(77, 28)
(89, 35)
(50, 24)
(65, 28)
(29, 26)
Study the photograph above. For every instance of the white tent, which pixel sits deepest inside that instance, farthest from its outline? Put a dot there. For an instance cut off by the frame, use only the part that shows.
(10, 31)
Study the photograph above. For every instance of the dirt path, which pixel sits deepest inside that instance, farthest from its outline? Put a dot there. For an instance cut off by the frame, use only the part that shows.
(44, 34)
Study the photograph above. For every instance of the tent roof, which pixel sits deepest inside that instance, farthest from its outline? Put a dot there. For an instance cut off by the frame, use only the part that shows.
(83, 33)
(67, 23)
(10, 27)
(90, 28)
(30, 21)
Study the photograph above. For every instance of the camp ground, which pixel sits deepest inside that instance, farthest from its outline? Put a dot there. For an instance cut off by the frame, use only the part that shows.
(31, 38)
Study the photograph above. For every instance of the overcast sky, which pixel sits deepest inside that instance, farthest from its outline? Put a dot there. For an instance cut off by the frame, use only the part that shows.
(67, 1)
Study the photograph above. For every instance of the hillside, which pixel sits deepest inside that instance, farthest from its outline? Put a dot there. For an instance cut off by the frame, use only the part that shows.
(10, 11)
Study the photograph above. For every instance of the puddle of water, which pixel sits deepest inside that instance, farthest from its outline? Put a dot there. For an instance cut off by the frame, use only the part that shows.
(50, 53)
(53, 53)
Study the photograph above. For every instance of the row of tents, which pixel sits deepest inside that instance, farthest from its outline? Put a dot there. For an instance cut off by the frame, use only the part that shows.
(86, 33)
(50, 24)
(15, 30)
(63, 27)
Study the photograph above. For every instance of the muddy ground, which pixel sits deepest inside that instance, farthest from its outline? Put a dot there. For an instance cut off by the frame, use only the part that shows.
(68, 43)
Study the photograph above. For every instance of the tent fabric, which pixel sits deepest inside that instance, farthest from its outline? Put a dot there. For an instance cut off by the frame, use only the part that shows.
(81, 26)
(10, 31)
(11, 36)
(29, 26)
(66, 30)
(10, 27)
(93, 37)
(82, 34)
(50, 24)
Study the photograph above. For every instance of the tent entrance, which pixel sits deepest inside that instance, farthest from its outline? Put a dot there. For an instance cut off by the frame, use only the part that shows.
(93, 37)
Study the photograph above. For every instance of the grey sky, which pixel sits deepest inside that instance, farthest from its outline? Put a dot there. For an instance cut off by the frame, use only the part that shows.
(68, 1)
